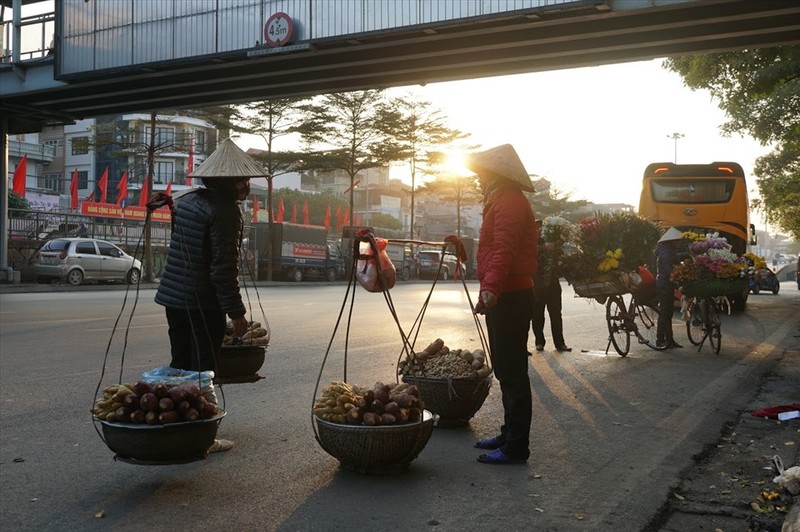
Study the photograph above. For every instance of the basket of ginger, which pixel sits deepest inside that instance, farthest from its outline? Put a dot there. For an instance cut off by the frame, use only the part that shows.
(377, 430)
(453, 382)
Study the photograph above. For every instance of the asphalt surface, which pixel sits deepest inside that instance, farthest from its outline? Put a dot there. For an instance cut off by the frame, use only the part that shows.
(721, 489)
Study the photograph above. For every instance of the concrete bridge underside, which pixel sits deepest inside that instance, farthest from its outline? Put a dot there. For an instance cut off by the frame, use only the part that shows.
(589, 33)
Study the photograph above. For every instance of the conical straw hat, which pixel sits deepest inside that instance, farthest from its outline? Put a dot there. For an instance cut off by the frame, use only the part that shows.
(228, 160)
(501, 161)
(671, 234)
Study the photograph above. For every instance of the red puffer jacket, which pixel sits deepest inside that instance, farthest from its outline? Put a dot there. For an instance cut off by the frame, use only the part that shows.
(508, 244)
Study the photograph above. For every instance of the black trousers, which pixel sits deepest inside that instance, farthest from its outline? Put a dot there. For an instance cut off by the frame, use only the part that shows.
(195, 338)
(548, 297)
(507, 328)
(666, 309)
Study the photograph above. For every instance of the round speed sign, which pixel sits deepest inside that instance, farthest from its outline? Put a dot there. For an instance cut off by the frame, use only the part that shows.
(278, 29)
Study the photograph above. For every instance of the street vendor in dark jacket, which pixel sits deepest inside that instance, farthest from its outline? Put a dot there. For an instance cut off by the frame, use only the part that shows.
(200, 285)
(668, 254)
(507, 252)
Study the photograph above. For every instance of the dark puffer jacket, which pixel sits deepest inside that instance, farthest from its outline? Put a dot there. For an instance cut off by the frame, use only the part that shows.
(202, 269)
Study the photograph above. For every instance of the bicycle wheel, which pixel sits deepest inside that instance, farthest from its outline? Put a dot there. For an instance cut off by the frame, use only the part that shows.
(618, 333)
(694, 327)
(713, 325)
(646, 326)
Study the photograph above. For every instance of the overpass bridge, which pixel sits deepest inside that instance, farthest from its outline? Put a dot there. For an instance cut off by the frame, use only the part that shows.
(115, 56)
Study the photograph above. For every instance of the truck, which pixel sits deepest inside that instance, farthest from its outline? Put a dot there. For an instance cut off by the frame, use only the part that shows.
(299, 252)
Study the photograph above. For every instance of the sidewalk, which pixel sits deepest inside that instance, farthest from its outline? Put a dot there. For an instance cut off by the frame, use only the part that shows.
(721, 490)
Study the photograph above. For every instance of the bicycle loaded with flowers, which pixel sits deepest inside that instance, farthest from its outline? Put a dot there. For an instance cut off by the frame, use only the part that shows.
(610, 255)
(712, 268)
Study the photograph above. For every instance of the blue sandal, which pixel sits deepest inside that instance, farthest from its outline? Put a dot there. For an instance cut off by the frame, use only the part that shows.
(489, 444)
(499, 457)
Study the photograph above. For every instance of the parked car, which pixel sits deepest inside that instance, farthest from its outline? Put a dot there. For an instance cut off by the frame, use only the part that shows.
(798, 273)
(81, 259)
(429, 264)
(765, 279)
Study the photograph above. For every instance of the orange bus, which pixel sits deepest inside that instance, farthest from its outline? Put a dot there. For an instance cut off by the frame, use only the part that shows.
(702, 198)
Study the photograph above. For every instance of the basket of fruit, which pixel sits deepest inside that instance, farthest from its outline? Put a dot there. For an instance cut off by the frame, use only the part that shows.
(373, 431)
(157, 424)
(241, 358)
(453, 383)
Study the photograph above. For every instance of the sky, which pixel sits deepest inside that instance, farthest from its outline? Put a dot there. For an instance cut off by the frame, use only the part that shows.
(591, 131)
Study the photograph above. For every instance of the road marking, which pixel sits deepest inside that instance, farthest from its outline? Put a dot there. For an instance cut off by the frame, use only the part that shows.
(158, 325)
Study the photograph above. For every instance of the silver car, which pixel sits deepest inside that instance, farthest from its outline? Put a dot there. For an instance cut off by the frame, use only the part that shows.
(78, 259)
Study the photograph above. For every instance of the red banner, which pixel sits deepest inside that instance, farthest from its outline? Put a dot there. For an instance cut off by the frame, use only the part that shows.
(108, 210)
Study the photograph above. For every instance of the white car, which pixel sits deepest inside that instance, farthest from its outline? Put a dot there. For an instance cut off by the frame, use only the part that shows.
(80, 259)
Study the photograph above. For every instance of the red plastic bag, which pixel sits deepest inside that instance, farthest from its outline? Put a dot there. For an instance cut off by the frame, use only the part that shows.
(646, 275)
(367, 272)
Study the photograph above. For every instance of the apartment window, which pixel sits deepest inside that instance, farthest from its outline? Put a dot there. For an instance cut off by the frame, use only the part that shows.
(164, 172)
(165, 136)
(52, 182)
(56, 145)
(83, 179)
(200, 141)
(80, 145)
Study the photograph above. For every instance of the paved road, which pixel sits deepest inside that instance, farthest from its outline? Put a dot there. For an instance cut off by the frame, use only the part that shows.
(610, 435)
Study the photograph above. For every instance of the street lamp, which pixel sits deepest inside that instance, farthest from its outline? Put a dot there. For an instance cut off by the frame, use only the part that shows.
(675, 137)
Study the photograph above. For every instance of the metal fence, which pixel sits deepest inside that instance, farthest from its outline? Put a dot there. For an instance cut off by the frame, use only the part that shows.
(35, 227)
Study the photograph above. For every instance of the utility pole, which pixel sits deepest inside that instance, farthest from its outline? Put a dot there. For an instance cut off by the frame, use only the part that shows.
(675, 137)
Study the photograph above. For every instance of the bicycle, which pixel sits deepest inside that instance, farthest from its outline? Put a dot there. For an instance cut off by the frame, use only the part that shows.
(638, 317)
(702, 322)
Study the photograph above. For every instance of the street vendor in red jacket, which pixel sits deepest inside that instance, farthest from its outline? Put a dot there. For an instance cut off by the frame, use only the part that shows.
(507, 252)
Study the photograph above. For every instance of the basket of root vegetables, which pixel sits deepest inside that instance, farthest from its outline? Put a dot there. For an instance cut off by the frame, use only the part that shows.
(453, 382)
(155, 424)
(377, 430)
(241, 358)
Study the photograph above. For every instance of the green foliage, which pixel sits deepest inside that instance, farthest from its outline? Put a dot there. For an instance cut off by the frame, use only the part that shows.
(453, 189)
(759, 90)
(15, 201)
(550, 201)
(386, 221)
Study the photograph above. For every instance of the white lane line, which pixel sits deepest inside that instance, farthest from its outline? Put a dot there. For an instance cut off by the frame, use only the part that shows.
(122, 327)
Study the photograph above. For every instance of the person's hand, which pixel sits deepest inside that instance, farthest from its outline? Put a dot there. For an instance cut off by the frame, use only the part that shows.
(486, 301)
(239, 326)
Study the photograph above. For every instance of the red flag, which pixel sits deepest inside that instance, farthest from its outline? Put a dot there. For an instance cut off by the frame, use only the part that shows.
(103, 184)
(346, 218)
(73, 190)
(327, 221)
(338, 219)
(294, 212)
(122, 188)
(255, 208)
(280, 211)
(305, 212)
(190, 163)
(168, 192)
(20, 175)
(143, 195)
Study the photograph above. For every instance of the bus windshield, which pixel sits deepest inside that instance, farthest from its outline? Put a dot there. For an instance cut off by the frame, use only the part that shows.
(692, 191)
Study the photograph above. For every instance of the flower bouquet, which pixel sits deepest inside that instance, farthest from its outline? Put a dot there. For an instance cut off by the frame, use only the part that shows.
(556, 236)
(712, 269)
(610, 248)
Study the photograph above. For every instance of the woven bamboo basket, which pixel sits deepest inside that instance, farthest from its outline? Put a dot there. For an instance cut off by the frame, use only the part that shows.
(715, 287)
(175, 443)
(454, 400)
(375, 450)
